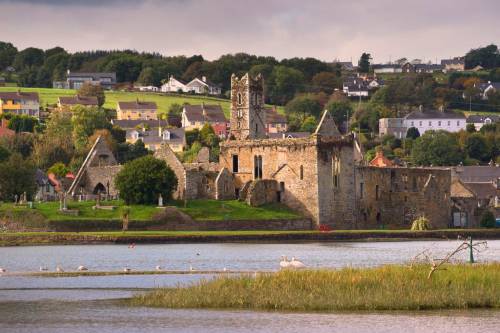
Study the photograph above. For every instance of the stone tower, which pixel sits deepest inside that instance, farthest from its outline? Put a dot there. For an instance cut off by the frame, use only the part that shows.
(248, 117)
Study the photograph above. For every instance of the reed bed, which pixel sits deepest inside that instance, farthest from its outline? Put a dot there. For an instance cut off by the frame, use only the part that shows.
(349, 289)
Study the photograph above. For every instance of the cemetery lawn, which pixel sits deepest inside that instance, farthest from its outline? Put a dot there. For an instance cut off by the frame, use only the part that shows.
(197, 209)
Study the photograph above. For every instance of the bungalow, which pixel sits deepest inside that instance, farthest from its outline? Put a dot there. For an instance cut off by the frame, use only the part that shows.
(456, 64)
(77, 100)
(386, 68)
(275, 122)
(76, 80)
(20, 103)
(152, 139)
(203, 86)
(174, 85)
(46, 190)
(479, 120)
(195, 116)
(147, 88)
(137, 110)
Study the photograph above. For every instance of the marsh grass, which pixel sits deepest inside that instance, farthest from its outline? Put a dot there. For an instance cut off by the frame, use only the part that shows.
(349, 289)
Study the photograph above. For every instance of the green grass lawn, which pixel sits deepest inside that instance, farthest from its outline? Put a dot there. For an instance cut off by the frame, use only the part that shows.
(234, 210)
(198, 209)
(49, 96)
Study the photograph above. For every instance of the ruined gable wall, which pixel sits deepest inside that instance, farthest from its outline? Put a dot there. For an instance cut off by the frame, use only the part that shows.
(103, 175)
(403, 196)
(165, 153)
(282, 160)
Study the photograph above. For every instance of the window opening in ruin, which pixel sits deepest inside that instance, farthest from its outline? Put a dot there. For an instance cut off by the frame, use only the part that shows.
(377, 192)
(282, 186)
(414, 184)
(301, 172)
(237, 193)
(361, 190)
(335, 171)
(257, 162)
(239, 99)
(256, 128)
(379, 218)
(235, 163)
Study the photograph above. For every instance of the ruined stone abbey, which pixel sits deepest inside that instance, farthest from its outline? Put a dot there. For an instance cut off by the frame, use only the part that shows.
(321, 176)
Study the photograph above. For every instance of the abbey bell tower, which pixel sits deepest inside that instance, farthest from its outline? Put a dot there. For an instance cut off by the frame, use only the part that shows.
(248, 117)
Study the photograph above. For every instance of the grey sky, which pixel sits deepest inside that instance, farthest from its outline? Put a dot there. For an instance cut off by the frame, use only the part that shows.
(325, 29)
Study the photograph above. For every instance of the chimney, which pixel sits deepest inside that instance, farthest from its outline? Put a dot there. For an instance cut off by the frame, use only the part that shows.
(204, 79)
(68, 72)
(441, 108)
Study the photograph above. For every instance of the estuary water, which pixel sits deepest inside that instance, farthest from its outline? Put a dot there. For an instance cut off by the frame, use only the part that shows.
(92, 303)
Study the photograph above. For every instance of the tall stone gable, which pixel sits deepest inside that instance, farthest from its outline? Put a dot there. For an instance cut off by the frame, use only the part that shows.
(247, 107)
(327, 125)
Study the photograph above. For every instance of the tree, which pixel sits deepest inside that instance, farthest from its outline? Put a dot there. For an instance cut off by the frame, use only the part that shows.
(59, 170)
(85, 121)
(93, 90)
(401, 61)
(7, 54)
(22, 123)
(437, 148)
(340, 111)
(21, 143)
(143, 180)
(284, 83)
(477, 147)
(126, 152)
(309, 124)
(470, 128)
(300, 108)
(326, 82)
(487, 220)
(487, 57)
(175, 109)
(146, 77)
(17, 176)
(4, 154)
(412, 133)
(364, 63)
(28, 57)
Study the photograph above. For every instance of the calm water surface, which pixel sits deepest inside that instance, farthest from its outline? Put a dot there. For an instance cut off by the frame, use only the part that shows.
(89, 304)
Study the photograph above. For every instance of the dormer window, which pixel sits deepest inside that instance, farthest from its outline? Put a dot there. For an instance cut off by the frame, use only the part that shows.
(166, 135)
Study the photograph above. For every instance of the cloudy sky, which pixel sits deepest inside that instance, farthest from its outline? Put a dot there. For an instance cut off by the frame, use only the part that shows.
(325, 29)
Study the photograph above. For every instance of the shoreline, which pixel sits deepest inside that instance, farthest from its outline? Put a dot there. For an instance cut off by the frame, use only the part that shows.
(172, 237)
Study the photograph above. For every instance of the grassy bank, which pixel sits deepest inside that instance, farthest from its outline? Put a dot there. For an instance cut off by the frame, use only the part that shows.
(384, 288)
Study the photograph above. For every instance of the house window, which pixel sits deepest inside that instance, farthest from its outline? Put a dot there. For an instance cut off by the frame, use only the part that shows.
(420, 123)
(430, 123)
(458, 123)
(235, 163)
(257, 162)
(361, 190)
(449, 123)
(301, 172)
(439, 123)
(412, 124)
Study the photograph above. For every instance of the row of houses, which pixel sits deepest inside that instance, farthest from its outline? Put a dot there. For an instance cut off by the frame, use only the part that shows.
(428, 119)
(360, 86)
(447, 65)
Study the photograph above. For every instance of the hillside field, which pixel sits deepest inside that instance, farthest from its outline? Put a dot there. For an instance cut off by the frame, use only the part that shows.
(49, 96)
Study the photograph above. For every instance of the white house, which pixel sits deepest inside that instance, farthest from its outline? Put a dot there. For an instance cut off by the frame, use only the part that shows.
(355, 87)
(174, 85)
(479, 120)
(203, 86)
(487, 88)
(425, 120)
(147, 88)
(386, 68)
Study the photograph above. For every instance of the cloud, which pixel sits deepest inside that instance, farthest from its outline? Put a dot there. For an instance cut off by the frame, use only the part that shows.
(323, 29)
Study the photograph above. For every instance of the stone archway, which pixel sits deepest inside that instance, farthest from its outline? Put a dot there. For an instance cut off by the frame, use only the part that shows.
(99, 189)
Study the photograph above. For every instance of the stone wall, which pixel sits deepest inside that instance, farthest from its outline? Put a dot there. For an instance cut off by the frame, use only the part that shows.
(99, 175)
(394, 197)
(261, 192)
(224, 185)
(225, 225)
(165, 153)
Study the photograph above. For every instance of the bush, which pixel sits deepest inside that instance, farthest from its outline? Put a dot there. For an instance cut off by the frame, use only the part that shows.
(487, 220)
(420, 224)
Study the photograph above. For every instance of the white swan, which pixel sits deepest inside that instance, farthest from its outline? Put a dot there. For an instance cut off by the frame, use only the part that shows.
(284, 263)
(43, 269)
(126, 269)
(2, 270)
(59, 269)
(297, 264)
(191, 268)
(82, 268)
(159, 268)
